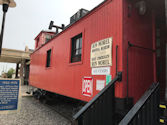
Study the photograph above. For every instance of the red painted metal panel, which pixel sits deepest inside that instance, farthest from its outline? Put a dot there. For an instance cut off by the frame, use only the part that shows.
(138, 30)
(65, 78)
(110, 19)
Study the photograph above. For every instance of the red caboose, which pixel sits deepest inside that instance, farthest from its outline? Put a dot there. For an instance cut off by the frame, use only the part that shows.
(80, 61)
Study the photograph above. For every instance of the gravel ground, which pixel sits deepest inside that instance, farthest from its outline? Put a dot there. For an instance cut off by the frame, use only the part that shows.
(33, 113)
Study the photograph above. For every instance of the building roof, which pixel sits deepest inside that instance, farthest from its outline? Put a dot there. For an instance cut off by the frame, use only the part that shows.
(14, 56)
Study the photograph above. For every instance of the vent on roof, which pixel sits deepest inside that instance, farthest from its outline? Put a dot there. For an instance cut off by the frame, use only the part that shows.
(78, 15)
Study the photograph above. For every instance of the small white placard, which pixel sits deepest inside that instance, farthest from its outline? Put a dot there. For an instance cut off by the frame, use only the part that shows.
(100, 84)
(101, 71)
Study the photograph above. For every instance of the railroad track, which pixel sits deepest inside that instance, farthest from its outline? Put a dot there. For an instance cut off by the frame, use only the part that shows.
(64, 106)
(63, 114)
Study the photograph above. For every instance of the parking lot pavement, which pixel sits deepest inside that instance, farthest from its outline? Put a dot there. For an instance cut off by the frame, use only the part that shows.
(33, 113)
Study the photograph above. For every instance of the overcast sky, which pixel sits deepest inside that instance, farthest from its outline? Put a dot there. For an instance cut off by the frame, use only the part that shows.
(29, 17)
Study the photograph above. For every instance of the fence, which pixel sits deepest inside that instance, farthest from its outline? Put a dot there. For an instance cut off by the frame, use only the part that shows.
(101, 109)
(145, 111)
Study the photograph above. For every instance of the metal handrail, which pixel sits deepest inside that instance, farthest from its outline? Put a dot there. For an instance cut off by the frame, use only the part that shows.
(89, 104)
(139, 105)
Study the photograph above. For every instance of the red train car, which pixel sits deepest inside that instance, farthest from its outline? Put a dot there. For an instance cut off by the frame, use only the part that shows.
(79, 61)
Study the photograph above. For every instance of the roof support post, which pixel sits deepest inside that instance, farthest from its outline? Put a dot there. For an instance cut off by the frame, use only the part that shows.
(22, 71)
(17, 69)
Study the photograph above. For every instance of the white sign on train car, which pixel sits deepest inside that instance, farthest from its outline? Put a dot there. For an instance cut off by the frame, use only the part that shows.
(101, 53)
(87, 86)
(101, 71)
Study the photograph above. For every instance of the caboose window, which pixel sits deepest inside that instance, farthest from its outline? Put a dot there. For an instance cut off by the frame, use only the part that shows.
(37, 42)
(48, 58)
(76, 51)
(47, 37)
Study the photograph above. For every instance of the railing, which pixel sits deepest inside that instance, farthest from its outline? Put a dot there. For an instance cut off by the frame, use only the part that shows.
(145, 111)
(101, 109)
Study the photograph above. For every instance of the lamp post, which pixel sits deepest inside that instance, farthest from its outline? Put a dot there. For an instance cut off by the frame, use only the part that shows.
(5, 5)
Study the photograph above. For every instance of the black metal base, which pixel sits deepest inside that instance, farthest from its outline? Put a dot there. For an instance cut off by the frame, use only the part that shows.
(122, 105)
(5, 7)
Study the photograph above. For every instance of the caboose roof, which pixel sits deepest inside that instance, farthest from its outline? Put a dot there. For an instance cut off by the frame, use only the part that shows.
(71, 24)
(152, 3)
(44, 31)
